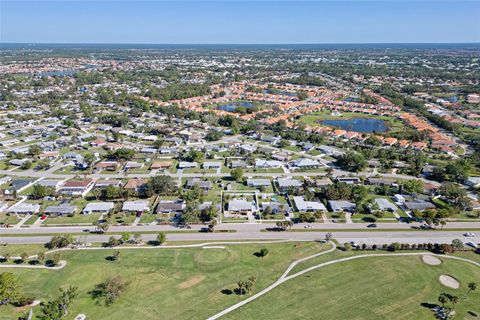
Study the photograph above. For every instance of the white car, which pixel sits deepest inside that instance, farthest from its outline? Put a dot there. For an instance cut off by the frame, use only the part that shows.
(471, 244)
(469, 234)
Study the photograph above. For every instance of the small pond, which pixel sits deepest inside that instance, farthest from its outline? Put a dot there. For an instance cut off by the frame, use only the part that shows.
(358, 124)
(232, 107)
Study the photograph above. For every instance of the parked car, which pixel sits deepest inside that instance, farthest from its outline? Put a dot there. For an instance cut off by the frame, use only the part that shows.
(471, 244)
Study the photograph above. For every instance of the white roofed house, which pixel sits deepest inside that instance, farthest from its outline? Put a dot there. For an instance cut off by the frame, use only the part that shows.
(238, 164)
(265, 164)
(24, 208)
(256, 183)
(61, 209)
(98, 207)
(276, 207)
(18, 162)
(385, 205)
(187, 165)
(3, 206)
(285, 184)
(308, 206)
(473, 182)
(305, 163)
(137, 207)
(4, 180)
(212, 165)
(399, 199)
(202, 184)
(341, 205)
(133, 165)
(241, 206)
(56, 184)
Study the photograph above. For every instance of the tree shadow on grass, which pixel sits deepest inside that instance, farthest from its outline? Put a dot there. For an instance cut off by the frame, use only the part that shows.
(428, 305)
(227, 292)
(369, 219)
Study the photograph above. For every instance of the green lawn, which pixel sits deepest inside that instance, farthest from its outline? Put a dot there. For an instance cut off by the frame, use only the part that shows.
(368, 288)
(164, 283)
(8, 219)
(78, 218)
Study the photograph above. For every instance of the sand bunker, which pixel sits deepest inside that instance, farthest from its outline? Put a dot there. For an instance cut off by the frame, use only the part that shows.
(431, 260)
(449, 281)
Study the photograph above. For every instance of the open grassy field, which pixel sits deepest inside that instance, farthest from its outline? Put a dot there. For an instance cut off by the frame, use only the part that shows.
(367, 288)
(164, 283)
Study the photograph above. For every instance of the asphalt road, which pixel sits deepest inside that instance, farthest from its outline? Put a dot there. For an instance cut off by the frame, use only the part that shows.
(379, 237)
(239, 227)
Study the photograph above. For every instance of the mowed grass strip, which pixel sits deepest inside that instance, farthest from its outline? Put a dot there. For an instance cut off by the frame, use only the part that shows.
(368, 288)
(184, 283)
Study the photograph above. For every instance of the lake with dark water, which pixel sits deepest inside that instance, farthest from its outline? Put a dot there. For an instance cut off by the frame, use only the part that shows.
(232, 107)
(358, 124)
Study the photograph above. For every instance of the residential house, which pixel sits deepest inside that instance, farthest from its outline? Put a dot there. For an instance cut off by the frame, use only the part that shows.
(187, 165)
(136, 184)
(323, 182)
(137, 207)
(341, 206)
(266, 164)
(61, 209)
(471, 182)
(385, 205)
(285, 184)
(98, 207)
(237, 164)
(76, 187)
(108, 182)
(212, 165)
(305, 163)
(257, 183)
(24, 208)
(133, 165)
(241, 206)
(308, 206)
(5, 180)
(202, 184)
(419, 205)
(276, 207)
(161, 165)
(50, 183)
(107, 165)
(381, 182)
(349, 180)
(171, 206)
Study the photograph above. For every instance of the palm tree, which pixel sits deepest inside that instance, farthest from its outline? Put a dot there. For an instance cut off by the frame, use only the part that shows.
(41, 257)
(472, 286)
(443, 298)
(443, 223)
(6, 256)
(454, 300)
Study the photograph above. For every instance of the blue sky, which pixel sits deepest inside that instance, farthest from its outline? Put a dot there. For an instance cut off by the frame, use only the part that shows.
(230, 21)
